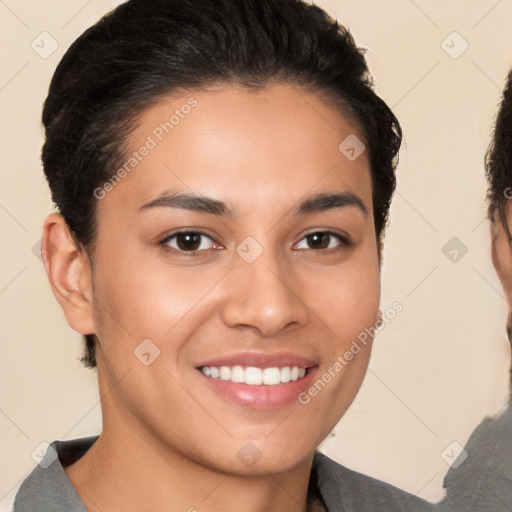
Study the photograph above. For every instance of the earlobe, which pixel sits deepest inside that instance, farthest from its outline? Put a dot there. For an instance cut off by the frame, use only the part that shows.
(69, 271)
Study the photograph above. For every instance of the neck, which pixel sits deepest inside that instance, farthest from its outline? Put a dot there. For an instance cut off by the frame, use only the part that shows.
(129, 469)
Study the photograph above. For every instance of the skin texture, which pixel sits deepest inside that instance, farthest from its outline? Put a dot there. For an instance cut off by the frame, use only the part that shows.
(170, 442)
(502, 259)
(502, 254)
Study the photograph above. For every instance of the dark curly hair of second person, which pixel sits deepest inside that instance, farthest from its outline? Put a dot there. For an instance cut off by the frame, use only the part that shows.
(499, 160)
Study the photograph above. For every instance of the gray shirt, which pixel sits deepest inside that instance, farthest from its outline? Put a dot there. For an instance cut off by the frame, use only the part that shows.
(483, 482)
(48, 489)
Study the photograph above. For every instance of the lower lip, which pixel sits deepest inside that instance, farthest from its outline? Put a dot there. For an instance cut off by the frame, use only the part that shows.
(261, 397)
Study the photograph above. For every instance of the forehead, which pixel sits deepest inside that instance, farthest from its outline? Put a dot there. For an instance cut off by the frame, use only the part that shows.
(278, 143)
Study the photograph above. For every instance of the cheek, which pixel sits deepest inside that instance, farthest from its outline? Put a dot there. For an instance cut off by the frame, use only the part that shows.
(347, 298)
(502, 260)
(348, 304)
(137, 298)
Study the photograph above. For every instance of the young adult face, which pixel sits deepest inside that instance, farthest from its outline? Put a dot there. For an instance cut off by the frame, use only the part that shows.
(256, 288)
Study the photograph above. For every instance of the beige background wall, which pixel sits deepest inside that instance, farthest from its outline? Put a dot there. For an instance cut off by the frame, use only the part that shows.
(438, 368)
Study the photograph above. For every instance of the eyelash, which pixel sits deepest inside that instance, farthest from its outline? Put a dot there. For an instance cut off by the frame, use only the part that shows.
(345, 243)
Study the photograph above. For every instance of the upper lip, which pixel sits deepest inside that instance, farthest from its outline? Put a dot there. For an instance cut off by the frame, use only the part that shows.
(259, 360)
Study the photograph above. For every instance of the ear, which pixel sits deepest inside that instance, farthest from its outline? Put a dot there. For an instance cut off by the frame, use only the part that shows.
(501, 251)
(70, 274)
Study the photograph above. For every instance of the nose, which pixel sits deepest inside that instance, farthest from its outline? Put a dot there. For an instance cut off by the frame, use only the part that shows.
(263, 295)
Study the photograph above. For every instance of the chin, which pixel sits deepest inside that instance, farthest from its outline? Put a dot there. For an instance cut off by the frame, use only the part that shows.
(254, 458)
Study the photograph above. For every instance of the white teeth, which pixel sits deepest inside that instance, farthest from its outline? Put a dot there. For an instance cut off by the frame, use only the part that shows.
(285, 374)
(237, 374)
(271, 376)
(255, 376)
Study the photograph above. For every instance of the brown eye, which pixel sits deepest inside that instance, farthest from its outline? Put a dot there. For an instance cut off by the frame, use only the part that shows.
(322, 240)
(318, 240)
(188, 241)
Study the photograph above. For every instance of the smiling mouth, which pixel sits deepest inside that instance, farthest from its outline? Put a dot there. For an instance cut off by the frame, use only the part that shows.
(254, 376)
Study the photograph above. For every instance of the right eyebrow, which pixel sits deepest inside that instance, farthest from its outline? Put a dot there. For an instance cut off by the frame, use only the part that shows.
(186, 201)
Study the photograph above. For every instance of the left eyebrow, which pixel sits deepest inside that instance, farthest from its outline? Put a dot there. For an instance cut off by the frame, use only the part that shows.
(324, 202)
(313, 204)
